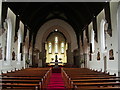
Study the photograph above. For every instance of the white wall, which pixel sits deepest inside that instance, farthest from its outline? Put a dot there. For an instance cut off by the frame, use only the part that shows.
(98, 64)
(0, 32)
(19, 64)
(112, 65)
(15, 46)
(11, 17)
(0, 12)
(118, 28)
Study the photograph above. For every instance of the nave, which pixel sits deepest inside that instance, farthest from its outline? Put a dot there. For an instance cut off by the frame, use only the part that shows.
(36, 34)
(59, 45)
(59, 79)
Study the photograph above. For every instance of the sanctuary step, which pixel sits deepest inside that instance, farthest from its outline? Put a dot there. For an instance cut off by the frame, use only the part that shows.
(56, 70)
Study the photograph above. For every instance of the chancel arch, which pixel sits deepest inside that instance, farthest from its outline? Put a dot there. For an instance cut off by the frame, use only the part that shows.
(65, 29)
(63, 26)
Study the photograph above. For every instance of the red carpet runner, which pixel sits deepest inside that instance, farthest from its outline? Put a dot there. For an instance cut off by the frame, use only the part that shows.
(56, 82)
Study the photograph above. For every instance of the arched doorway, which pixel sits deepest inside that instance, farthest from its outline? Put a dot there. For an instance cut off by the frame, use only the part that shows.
(56, 47)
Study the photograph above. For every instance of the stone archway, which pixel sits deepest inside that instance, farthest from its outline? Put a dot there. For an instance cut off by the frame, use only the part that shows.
(61, 29)
(64, 28)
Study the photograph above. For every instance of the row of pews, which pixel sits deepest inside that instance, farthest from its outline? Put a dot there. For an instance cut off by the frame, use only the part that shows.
(26, 79)
(86, 79)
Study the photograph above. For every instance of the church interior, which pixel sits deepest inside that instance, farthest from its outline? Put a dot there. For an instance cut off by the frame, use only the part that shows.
(60, 45)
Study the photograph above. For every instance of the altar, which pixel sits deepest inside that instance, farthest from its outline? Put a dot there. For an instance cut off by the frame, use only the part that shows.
(53, 63)
(56, 62)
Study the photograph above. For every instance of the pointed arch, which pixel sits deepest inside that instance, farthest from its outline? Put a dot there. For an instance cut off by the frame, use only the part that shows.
(50, 26)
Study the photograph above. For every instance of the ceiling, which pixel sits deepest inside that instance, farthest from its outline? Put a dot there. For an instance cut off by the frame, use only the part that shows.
(35, 14)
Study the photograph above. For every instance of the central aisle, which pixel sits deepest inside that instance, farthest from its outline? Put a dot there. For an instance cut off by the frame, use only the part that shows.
(56, 82)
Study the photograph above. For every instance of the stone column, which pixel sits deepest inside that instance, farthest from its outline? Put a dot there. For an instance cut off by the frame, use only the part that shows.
(43, 55)
(85, 60)
(25, 54)
(33, 58)
(19, 47)
(118, 29)
(69, 55)
(0, 13)
(78, 64)
(30, 55)
(26, 48)
(0, 29)
(9, 42)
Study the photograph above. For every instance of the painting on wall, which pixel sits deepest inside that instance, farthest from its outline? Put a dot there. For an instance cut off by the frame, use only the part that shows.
(111, 54)
(98, 56)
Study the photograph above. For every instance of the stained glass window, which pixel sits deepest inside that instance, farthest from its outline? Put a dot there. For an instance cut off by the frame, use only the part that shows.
(50, 47)
(56, 44)
(62, 47)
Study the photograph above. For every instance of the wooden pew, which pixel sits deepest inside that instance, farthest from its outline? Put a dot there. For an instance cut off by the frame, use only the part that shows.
(20, 86)
(36, 78)
(86, 77)
(95, 80)
(22, 78)
(82, 77)
(97, 88)
(21, 81)
(97, 84)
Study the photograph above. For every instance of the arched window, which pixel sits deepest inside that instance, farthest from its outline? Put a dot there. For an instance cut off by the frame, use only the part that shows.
(62, 47)
(50, 47)
(92, 40)
(102, 35)
(56, 44)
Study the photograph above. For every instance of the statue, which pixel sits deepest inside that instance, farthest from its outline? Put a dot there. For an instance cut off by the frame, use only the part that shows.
(56, 62)
(98, 56)
(13, 55)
